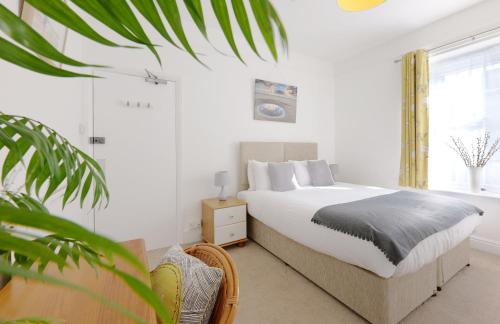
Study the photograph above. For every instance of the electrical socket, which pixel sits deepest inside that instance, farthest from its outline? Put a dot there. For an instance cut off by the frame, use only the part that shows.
(195, 224)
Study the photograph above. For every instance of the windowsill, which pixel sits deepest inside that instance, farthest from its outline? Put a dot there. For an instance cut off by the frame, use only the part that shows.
(487, 194)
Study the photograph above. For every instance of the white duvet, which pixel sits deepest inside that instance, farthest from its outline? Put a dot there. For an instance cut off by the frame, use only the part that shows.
(290, 213)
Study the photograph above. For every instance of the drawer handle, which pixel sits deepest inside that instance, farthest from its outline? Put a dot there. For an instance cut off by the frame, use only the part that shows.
(232, 216)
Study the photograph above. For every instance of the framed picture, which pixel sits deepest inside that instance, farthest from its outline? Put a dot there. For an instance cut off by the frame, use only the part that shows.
(275, 102)
(51, 30)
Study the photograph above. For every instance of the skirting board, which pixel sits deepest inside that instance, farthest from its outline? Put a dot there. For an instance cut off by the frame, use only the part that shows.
(485, 245)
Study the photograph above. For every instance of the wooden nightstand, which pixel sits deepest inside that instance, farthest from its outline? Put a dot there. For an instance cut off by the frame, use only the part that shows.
(224, 222)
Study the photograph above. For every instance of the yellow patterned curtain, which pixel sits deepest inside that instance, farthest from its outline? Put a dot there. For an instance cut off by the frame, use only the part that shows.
(415, 121)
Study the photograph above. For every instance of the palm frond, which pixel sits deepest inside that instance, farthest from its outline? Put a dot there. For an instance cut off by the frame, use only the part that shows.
(25, 35)
(22, 201)
(262, 11)
(67, 229)
(119, 16)
(53, 162)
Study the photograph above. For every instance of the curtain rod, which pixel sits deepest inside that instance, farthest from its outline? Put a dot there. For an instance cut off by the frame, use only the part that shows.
(490, 33)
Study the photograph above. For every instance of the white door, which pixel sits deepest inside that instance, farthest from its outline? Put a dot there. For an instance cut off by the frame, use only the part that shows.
(136, 119)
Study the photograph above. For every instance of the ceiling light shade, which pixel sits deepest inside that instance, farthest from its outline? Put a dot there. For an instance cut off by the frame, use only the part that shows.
(358, 5)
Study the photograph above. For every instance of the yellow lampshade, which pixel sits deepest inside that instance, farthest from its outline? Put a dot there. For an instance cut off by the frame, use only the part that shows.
(358, 5)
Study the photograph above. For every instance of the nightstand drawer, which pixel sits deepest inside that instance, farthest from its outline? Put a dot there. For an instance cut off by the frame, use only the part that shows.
(230, 215)
(230, 233)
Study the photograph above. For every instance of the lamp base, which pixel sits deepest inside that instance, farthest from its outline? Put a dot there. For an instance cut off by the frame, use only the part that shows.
(222, 195)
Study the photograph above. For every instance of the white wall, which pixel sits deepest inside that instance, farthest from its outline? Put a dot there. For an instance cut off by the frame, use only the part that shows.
(214, 114)
(367, 109)
(215, 111)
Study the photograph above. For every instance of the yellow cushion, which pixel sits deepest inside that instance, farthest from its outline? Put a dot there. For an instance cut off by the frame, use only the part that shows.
(166, 281)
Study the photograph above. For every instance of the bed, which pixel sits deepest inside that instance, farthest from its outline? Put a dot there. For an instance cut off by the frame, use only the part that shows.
(353, 271)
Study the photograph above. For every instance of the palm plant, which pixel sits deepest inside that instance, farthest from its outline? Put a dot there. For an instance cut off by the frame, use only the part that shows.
(39, 163)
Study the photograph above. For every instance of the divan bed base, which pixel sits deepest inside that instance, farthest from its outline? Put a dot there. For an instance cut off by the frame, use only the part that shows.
(452, 262)
(379, 300)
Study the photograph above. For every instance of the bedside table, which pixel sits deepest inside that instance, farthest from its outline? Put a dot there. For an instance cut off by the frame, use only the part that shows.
(224, 222)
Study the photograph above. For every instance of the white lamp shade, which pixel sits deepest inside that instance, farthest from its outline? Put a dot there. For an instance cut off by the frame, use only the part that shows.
(221, 178)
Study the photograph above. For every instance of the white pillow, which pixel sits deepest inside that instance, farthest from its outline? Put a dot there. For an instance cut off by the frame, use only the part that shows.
(261, 175)
(320, 173)
(302, 173)
(282, 176)
(251, 177)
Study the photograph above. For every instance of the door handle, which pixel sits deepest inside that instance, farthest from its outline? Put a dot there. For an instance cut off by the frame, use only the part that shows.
(97, 140)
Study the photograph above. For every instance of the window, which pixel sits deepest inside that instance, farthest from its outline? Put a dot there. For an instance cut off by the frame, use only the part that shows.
(464, 101)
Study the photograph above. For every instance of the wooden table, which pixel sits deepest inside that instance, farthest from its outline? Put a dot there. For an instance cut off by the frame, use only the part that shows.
(20, 298)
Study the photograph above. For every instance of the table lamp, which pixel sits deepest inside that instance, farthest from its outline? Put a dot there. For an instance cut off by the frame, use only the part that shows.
(221, 180)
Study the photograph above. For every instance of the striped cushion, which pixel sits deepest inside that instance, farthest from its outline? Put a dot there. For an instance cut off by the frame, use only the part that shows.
(201, 286)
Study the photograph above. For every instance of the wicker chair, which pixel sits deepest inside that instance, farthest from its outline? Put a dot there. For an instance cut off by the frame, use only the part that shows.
(227, 301)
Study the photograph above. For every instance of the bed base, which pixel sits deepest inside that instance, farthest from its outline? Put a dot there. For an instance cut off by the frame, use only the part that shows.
(452, 262)
(378, 300)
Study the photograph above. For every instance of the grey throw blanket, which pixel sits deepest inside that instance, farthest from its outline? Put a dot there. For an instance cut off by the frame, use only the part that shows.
(397, 222)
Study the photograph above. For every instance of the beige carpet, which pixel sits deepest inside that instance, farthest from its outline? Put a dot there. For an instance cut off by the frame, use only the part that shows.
(271, 292)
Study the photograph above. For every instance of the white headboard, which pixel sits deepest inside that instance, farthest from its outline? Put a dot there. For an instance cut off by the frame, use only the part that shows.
(273, 152)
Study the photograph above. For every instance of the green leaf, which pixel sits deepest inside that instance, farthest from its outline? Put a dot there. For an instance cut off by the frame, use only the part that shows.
(148, 9)
(42, 177)
(281, 27)
(59, 11)
(32, 171)
(242, 17)
(85, 189)
(196, 11)
(171, 13)
(21, 32)
(54, 160)
(95, 166)
(66, 228)
(261, 12)
(28, 248)
(97, 194)
(22, 200)
(16, 55)
(54, 183)
(14, 158)
(118, 16)
(35, 135)
(5, 202)
(64, 251)
(6, 140)
(222, 14)
(73, 184)
(121, 10)
(99, 12)
(75, 255)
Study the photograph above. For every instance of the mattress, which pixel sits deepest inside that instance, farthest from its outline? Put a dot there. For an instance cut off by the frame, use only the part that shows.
(290, 213)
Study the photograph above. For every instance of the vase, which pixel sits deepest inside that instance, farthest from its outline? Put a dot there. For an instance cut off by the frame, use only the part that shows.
(476, 179)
